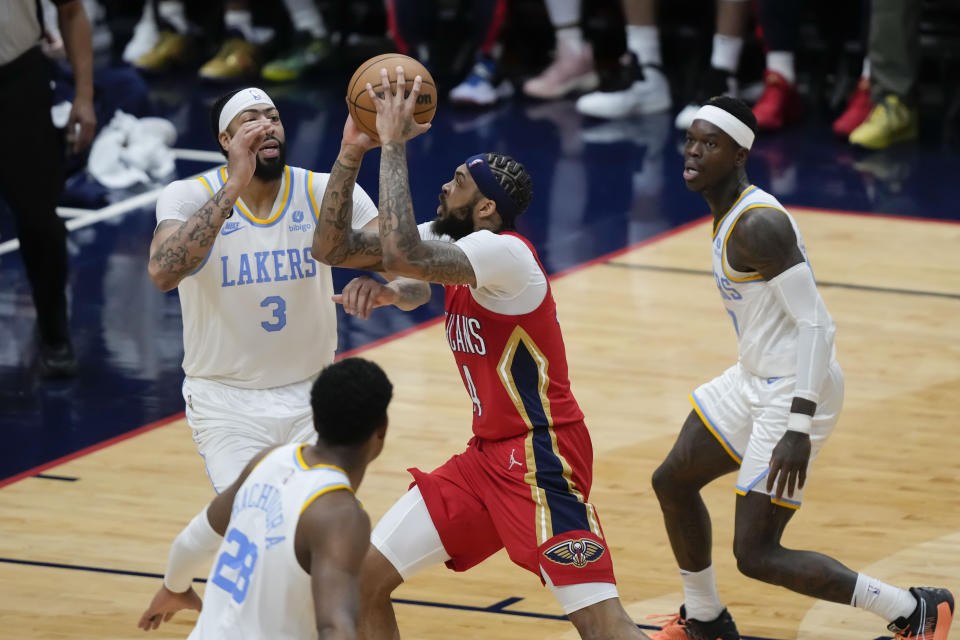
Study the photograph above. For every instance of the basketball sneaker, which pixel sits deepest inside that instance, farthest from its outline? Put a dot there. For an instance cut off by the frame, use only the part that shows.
(858, 109)
(930, 619)
(571, 70)
(644, 91)
(145, 36)
(171, 50)
(679, 627)
(237, 58)
(890, 122)
(480, 88)
(302, 56)
(780, 103)
(715, 82)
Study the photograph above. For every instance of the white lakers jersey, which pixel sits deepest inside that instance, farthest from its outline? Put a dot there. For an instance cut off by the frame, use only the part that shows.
(256, 588)
(257, 313)
(766, 334)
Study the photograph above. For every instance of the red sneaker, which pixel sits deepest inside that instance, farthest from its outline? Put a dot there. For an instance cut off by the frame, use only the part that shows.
(779, 105)
(858, 108)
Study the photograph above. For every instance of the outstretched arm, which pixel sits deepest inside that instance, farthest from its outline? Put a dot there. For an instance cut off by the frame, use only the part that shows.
(335, 241)
(764, 241)
(193, 548)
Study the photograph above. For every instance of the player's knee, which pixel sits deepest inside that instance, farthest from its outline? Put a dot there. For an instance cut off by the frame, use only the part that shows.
(752, 558)
(665, 481)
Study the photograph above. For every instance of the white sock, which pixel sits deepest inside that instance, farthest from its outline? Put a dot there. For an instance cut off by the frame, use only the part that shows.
(571, 38)
(306, 17)
(174, 13)
(865, 72)
(700, 597)
(644, 42)
(240, 20)
(885, 600)
(782, 63)
(563, 12)
(726, 52)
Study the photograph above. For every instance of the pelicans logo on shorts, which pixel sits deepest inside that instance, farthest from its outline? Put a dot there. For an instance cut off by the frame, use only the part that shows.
(575, 552)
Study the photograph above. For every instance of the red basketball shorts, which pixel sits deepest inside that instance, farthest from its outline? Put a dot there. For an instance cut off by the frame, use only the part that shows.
(529, 494)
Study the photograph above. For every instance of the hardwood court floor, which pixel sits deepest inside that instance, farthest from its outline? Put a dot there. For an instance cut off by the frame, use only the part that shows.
(642, 329)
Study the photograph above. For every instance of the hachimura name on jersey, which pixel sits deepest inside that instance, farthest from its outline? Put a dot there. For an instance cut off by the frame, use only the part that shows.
(256, 588)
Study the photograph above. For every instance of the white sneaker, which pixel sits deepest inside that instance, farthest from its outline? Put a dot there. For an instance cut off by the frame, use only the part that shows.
(649, 95)
(478, 88)
(145, 37)
(571, 70)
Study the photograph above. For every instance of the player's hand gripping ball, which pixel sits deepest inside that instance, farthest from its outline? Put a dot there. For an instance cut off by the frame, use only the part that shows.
(362, 109)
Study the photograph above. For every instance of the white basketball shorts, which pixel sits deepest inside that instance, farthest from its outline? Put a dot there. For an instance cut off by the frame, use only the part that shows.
(748, 415)
(232, 425)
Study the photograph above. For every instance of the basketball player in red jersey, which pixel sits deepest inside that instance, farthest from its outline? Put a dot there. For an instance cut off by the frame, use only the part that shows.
(523, 481)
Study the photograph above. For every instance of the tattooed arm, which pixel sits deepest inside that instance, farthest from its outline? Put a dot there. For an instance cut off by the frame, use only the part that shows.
(178, 248)
(335, 241)
(404, 253)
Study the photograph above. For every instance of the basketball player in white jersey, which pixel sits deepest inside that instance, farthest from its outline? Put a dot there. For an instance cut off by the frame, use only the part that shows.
(289, 535)
(258, 321)
(768, 415)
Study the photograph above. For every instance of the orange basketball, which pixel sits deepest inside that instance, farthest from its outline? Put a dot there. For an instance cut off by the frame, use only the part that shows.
(362, 110)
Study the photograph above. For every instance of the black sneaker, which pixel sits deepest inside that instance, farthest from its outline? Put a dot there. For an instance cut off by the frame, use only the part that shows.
(57, 360)
(679, 627)
(930, 619)
(715, 82)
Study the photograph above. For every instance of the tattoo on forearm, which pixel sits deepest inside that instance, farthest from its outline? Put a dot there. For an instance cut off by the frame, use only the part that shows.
(411, 293)
(334, 230)
(186, 248)
(439, 262)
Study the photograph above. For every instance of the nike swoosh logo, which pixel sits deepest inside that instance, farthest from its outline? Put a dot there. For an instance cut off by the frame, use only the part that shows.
(227, 232)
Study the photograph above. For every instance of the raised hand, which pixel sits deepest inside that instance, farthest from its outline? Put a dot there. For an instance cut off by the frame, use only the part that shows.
(242, 152)
(395, 109)
(353, 136)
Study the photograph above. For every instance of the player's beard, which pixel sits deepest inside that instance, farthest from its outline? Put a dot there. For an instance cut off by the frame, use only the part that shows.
(455, 223)
(271, 168)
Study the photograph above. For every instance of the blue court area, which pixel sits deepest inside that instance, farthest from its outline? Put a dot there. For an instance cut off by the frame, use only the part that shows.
(599, 187)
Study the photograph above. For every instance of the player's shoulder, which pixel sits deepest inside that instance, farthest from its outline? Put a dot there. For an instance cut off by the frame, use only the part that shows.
(763, 229)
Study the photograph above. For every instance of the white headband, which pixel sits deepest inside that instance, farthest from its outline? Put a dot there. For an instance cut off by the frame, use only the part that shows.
(243, 99)
(728, 123)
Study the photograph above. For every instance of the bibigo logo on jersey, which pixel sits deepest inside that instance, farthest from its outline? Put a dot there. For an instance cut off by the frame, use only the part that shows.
(298, 222)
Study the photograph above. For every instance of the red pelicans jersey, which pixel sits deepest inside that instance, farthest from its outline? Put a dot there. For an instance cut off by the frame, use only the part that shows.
(513, 366)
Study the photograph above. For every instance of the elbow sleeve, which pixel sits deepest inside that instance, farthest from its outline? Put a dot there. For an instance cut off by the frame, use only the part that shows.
(797, 292)
(190, 552)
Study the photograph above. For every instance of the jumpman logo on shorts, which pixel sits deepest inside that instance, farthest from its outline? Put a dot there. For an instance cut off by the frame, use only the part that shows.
(513, 461)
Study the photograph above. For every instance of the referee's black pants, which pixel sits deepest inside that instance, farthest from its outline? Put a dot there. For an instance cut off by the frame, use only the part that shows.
(31, 182)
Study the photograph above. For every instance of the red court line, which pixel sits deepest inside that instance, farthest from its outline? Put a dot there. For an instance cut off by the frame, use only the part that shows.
(88, 450)
(429, 323)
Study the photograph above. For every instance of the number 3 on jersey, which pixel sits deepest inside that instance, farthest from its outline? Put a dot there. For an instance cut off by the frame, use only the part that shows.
(472, 390)
(279, 313)
(241, 562)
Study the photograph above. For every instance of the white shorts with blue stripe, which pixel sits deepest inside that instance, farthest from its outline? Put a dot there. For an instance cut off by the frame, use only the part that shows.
(748, 416)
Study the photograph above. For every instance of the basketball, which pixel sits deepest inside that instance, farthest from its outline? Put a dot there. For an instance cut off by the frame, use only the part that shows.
(362, 109)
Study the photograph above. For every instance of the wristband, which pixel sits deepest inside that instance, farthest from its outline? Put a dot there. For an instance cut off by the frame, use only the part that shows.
(799, 422)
